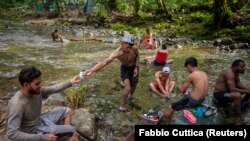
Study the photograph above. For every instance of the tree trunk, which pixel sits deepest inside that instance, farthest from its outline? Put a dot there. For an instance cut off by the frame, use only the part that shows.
(219, 13)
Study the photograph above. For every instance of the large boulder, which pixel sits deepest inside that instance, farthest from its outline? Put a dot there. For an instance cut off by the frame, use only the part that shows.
(55, 100)
(84, 123)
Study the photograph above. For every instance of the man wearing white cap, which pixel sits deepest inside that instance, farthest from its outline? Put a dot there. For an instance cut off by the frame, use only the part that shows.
(128, 55)
(162, 84)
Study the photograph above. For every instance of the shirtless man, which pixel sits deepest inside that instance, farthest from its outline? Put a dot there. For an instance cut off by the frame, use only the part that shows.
(56, 37)
(129, 57)
(162, 84)
(229, 89)
(199, 81)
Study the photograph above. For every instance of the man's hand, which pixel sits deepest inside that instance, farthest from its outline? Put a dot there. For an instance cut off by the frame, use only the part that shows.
(76, 79)
(88, 72)
(136, 71)
(52, 137)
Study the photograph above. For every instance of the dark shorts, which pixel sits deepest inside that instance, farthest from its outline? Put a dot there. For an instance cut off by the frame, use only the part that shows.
(159, 63)
(128, 73)
(223, 97)
(186, 102)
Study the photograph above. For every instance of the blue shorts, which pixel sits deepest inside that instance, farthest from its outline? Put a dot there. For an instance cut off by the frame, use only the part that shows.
(186, 102)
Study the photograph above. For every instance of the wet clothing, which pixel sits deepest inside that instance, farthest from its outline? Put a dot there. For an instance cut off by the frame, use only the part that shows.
(128, 73)
(186, 102)
(24, 115)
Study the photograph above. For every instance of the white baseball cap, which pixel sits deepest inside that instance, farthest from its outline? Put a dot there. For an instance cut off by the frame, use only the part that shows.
(166, 69)
(128, 39)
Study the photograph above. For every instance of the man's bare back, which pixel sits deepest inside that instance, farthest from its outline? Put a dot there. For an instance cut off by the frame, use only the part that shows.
(221, 82)
(199, 81)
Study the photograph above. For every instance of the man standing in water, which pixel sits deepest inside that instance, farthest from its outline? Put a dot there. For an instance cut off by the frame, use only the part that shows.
(199, 81)
(129, 57)
(229, 89)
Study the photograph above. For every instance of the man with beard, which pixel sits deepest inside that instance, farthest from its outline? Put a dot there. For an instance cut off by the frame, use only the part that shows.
(25, 122)
(229, 89)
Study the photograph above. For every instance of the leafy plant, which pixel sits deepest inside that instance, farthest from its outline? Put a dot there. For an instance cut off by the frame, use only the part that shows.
(76, 96)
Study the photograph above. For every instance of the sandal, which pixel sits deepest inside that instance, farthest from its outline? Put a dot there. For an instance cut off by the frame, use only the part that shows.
(189, 116)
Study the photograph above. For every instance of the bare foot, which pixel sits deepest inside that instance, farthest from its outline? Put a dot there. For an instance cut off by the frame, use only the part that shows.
(70, 113)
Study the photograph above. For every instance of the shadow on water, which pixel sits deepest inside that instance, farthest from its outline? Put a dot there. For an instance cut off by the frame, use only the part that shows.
(21, 48)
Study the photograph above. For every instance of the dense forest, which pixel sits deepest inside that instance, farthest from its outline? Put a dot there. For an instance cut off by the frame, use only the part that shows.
(207, 19)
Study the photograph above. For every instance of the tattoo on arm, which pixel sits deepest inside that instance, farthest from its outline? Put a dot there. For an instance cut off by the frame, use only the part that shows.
(108, 60)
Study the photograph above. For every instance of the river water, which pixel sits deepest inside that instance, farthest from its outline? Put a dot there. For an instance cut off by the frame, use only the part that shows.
(21, 47)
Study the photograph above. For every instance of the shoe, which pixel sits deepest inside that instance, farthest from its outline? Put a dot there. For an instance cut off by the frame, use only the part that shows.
(151, 117)
(210, 110)
(189, 116)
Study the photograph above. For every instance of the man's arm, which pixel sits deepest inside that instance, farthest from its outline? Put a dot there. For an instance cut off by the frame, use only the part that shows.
(56, 88)
(102, 64)
(59, 87)
(234, 85)
(183, 88)
(13, 127)
(136, 71)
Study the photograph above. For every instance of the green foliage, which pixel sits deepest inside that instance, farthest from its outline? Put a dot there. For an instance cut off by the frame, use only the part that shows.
(199, 17)
(124, 27)
(76, 97)
(9, 15)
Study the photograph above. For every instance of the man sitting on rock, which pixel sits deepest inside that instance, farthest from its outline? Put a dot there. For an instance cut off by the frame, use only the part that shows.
(25, 122)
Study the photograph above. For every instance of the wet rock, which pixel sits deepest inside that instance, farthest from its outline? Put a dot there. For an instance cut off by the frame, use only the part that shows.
(178, 46)
(84, 123)
(77, 33)
(215, 119)
(234, 46)
(227, 41)
(243, 45)
(56, 99)
(217, 42)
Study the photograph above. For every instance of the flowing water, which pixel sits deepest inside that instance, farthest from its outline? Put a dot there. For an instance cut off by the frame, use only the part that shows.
(58, 62)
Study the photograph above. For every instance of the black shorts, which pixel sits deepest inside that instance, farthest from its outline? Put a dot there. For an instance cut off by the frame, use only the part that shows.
(128, 73)
(186, 102)
(223, 97)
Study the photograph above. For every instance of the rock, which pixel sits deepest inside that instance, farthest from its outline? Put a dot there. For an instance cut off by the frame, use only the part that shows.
(227, 41)
(55, 99)
(84, 123)
(178, 46)
(78, 33)
(243, 45)
(217, 42)
(234, 46)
